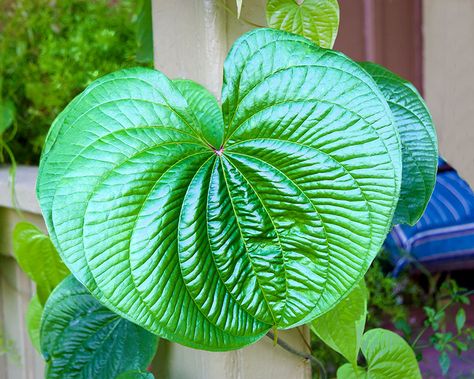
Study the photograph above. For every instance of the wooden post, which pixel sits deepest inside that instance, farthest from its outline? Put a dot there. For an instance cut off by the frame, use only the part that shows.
(22, 361)
(191, 40)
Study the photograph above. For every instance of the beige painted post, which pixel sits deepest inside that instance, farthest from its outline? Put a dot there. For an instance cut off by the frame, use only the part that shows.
(448, 35)
(191, 40)
(16, 290)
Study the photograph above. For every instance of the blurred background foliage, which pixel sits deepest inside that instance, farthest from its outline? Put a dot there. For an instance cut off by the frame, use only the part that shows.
(51, 50)
(416, 304)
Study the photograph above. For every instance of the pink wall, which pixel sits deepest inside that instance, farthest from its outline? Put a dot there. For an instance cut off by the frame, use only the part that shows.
(388, 32)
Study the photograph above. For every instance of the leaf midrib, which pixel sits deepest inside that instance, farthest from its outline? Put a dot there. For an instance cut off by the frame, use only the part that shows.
(276, 232)
(245, 245)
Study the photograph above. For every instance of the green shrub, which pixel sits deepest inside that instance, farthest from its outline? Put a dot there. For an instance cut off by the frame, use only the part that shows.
(50, 51)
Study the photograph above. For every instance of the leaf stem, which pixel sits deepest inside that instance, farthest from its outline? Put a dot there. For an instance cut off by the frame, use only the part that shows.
(314, 361)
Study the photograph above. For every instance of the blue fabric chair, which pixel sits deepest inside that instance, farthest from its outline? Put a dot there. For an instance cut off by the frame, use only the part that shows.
(443, 239)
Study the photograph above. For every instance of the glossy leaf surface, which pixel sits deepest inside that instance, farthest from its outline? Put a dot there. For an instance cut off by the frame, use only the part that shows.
(209, 227)
(317, 20)
(38, 258)
(388, 356)
(419, 142)
(343, 326)
(33, 321)
(80, 338)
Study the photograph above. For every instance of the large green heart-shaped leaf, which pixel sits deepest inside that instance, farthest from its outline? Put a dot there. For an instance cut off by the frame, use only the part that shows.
(38, 258)
(209, 227)
(343, 326)
(80, 338)
(388, 356)
(419, 142)
(317, 20)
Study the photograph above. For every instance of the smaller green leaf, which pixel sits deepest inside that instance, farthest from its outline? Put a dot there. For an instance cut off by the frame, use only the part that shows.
(460, 319)
(403, 326)
(444, 362)
(461, 346)
(388, 356)
(33, 321)
(38, 258)
(239, 7)
(7, 115)
(342, 327)
(317, 20)
(135, 375)
(144, 31)
(430, 312)
(80, 338)
(347, 371)
(464, 299)
(379, 347)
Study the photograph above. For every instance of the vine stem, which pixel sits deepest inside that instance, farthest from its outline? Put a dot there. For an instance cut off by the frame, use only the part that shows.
(304, 339)
(314, 361)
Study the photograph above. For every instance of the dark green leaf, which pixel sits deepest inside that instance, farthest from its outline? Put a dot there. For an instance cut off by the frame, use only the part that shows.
(33, 321)
(317, 20)
(419, 356)
(460, 319)
(343, 326)
(80, 338)
(144, 27)
(403, 326)
(216, 228)
(444, 362)
(419, 142)
(38, 258)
